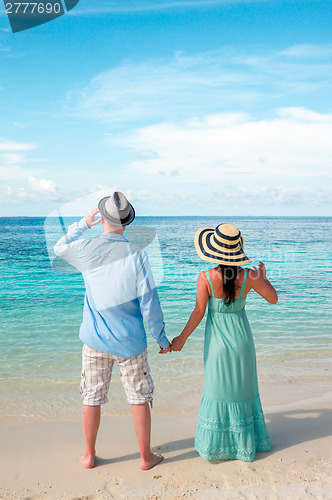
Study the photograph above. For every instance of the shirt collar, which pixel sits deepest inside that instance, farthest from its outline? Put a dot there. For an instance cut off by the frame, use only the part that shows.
(114, 237)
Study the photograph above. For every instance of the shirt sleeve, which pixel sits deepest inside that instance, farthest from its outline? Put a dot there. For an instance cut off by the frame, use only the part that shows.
(69, 247)
(149, 300)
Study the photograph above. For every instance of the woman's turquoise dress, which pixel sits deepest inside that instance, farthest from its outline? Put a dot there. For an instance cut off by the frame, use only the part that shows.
(231, 421)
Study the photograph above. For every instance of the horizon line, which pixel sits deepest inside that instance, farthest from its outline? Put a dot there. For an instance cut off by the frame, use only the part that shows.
(173, 216)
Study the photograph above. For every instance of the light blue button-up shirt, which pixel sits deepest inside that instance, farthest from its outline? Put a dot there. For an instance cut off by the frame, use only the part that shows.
(120, 292)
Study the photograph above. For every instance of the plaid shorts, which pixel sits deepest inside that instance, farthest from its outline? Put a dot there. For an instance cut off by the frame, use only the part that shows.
(97, 372)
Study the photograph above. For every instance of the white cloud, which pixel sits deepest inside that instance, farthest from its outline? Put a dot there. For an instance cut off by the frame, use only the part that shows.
(158, 89)
(44, 186)
(304, 115)
(12, 156)
(213, 198)
(81, 204)
(11, 146)
(295, 143)
(35, 190)
(25, 185)
(98, 188)
(146, 195)
(211, 82)
(307, 51)
(13, 172)
(276, 196)
(19, 194)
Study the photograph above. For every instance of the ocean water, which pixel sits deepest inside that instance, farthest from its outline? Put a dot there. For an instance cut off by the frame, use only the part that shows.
(41, 305)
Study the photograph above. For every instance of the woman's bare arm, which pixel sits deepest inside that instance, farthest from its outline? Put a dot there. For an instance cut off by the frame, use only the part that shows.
(197, 314)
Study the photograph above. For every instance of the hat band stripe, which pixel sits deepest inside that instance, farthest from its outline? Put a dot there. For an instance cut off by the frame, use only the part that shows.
(226, 237)
(225, 245)
(225, 242)
(220, 251)
(221, 257)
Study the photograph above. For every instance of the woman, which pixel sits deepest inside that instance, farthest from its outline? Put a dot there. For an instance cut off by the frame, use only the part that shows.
(231, 421)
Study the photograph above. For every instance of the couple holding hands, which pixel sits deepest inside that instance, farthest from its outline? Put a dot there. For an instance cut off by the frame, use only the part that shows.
(121, 293)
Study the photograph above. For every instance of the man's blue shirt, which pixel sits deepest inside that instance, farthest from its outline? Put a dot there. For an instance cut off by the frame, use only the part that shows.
(120, 292)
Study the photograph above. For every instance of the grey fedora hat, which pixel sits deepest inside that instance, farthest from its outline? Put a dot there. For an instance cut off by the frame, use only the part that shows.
(116, 209)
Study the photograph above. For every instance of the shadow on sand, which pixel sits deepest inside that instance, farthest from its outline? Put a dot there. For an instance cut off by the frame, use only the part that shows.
(286, 429)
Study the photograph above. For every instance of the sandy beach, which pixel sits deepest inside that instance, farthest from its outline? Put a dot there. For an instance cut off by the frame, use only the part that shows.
(39, 459)
(40, 411)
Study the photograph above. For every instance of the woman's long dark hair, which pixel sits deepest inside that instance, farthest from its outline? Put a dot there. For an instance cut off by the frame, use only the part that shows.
(229, 275)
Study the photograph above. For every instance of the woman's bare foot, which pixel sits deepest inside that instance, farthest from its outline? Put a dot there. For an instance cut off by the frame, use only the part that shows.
(155, 460)
(87, 461)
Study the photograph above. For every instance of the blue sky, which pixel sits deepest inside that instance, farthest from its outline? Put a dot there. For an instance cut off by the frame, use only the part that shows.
(189, 107)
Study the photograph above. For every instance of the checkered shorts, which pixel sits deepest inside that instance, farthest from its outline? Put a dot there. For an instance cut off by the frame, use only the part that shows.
(97, 372)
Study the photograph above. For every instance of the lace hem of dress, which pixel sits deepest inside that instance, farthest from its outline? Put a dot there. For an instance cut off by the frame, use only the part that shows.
(228, 424)
(232, 452)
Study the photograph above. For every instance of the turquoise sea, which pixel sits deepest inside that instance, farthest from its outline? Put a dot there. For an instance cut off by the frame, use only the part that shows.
(41, 308)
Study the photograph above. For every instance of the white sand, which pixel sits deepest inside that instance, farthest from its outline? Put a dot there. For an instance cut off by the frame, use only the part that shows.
(39, 459)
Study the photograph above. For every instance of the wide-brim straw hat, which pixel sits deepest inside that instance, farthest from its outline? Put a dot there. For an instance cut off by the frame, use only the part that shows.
(221, 245)
(116, 209)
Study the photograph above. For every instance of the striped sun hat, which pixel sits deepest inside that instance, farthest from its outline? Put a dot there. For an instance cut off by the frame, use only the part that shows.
(222, 245)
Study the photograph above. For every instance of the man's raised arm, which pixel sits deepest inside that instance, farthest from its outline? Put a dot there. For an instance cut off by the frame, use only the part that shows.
(68, 248)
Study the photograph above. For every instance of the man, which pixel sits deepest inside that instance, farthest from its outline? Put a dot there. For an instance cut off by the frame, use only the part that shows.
(120, 293)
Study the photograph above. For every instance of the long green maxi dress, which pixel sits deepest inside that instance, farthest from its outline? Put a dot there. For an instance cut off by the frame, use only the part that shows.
(231, 421)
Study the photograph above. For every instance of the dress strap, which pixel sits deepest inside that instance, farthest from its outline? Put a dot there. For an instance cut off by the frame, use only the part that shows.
(245, 274)
(209, 280)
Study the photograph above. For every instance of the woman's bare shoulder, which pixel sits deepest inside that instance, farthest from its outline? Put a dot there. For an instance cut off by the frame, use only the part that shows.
(214, 271)
(253, 274)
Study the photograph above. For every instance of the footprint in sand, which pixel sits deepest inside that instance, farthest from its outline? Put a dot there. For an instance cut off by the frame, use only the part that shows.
(156, 448)
(114, 488)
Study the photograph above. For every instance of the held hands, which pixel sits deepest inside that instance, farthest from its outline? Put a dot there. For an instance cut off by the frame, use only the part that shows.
(177, 343)
(165, 349)
(90, 218)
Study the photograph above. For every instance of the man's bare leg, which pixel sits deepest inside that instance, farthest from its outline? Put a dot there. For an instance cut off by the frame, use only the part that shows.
(142, 425)
(91, 421)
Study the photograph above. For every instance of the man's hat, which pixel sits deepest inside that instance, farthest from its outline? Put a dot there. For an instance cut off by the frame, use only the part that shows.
(116, 209)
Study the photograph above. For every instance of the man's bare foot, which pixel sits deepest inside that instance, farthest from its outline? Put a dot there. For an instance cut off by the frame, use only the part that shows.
(87, 461)
(155, 460)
